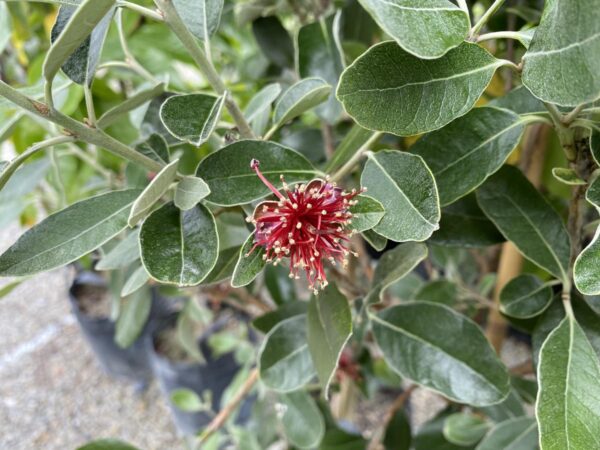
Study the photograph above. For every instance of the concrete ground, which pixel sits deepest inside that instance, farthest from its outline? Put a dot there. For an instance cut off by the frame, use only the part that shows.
(53, 394)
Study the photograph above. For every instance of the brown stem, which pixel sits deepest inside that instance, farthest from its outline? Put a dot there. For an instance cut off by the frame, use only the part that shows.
(224, 414)
(398, 404)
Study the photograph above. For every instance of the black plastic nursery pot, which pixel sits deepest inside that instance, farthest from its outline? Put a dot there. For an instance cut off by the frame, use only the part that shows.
(130, 363)
(215, 375)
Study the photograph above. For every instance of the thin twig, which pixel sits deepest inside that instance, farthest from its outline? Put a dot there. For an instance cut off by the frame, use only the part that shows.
(224, 414)
(486, 16)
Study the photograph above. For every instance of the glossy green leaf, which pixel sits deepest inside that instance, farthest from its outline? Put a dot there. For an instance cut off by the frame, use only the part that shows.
(585, 271)
(107, 444)
(78, 36)
(133, 102)
(405, 187)
(158, 187)
(467, 151)
(388, 89)
(366, 214)
(514, 434)
(329, 328)
(133, 316)
(266, 322)
(189, 192)
(453, 357)
(68, 234)
(179, 247)
(525, 296)
(425, 29)
(231, 180)
(225, 265)
(202, 17)
(561, 67)
(318, 56)
(285, 363)
(463, 224)
(300, 97)
(249, 264)
(567, 176)
(192, 117)
(394, 265)
(568, 404)
(187, 400)
(398, 435)
(303, 423)
(135, 281)
(464, 429)
(155, 147)
(122, 254)
(524, 217)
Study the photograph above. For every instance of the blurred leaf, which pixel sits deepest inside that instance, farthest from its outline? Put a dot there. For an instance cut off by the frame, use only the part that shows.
(405, 186)
(525, 296)
(187, 400)
(329, 328)
(464, 429)
(284, 359)
(179, 247)
(514, 434)
(354, 139)
(377, 241)
(122, 254)
(302, 421)
(68, 234)
(274, 40)
(225, 265)
(431, 437)
(259, 108)
(397, 434)
(438, 357)
(135, 281)
(133, 317)
(267, 321)
(133, 102)
(155, 147)
(438, 291)
(300, 97)
(427, 30)
(107, 444)
(567, 176)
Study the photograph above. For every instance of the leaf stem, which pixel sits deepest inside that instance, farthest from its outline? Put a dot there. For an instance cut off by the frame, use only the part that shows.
(500, 35)
(486, 16)
(142, 10)
(130, 60)
(347, 168)
(77, 129)
(199, 56)
(89, 104)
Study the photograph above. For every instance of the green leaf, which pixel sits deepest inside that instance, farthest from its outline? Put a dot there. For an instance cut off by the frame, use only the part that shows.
(425, 29)
(249, 263)
(467, 151)
(463, 224)
(261, 102)
(453, 357)
(520, 101)
(189, 192)
(5, 26)
(137, 279)
(274, 40)
(377, 241)
(107, 444)
(394, 265)
(525, 296)
(187, 400)
(366, 214)
(405, 187)
(568, 404)
(397, 435)
(133, 102)
(179, 247)
(202, 17)
(303, 423)
(284, 359)
(567, 176)
(430, 436)
(231, 180)
(519, 433)
(266, 322)
(329, 328)
(510, 407)
(524, 217)
(68, 234)
(6, 289)
(595, 145)
(225, 265)
(153, 193)
(318, 56)
(354, 139)
(192, 117)
(563, 68)
(388, 89)
(464, 429)
(77, 39)
(438, 291)
(300, 97)
(122, 254)
(155, 147)
(133, 316)
(585, 272)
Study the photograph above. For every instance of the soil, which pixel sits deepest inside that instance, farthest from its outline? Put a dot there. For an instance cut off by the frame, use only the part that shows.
(93, 301)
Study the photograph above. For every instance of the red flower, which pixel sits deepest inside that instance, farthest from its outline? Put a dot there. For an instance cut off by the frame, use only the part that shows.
(308, 224)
